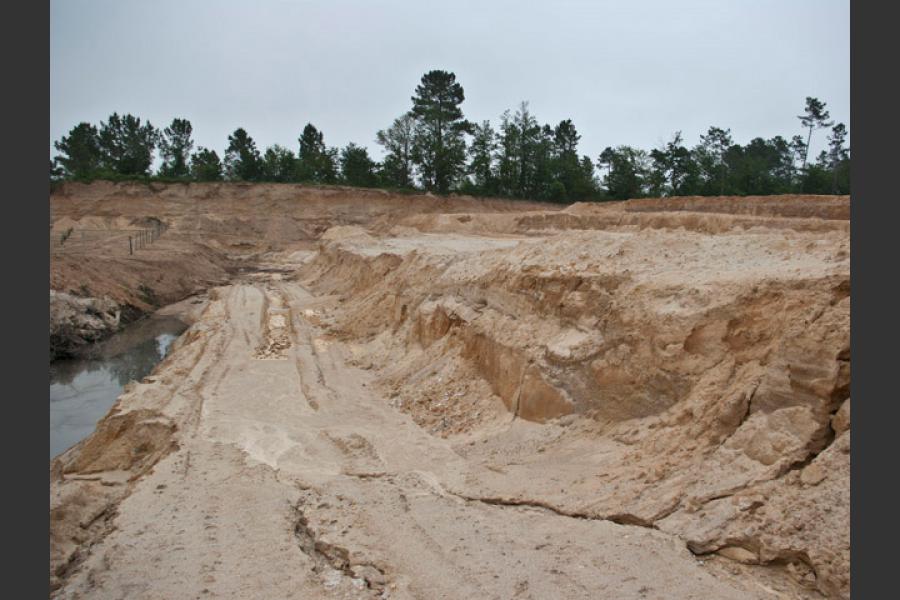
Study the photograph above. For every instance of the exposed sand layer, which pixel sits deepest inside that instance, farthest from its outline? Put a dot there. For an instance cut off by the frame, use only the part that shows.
(422, 398)
(212, 231)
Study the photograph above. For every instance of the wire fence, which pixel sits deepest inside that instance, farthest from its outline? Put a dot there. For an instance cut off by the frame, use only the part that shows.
(126, 240)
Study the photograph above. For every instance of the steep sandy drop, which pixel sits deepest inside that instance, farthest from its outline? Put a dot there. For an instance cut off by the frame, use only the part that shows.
(634, 401)
(713, 367)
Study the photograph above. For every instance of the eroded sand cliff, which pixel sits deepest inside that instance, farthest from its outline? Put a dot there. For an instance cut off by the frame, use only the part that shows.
(405, 396)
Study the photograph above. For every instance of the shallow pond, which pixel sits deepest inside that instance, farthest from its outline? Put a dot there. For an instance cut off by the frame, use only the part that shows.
(83, 390)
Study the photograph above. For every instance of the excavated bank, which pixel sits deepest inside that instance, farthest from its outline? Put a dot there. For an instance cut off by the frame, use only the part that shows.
(210, 232)
(715, 362)
(404, 397)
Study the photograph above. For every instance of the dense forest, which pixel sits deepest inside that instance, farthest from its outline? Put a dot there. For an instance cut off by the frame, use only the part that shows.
(435, 148)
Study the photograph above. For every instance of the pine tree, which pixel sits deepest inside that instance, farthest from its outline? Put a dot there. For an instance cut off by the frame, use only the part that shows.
(357, 168)
(316, 162)
(606, 159)
(206, 165)
(80, 151)
(715, 142)
(481, 162)
(242, 159)
(278, 164)
(816, 117)
(175, 147)
(627, 173)
(397, 140)
(126, 146)
(575, 182)
(524, 154)
(838, 155)
(529, 138)
(439, 149)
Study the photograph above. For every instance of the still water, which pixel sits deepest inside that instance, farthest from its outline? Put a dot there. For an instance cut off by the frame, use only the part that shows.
(83, 390)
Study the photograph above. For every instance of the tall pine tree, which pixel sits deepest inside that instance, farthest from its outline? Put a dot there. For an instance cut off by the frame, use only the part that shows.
(242, 159)
(316, 162)
(175, 147)
(206, 165)
(815, 117)
(126, 146)
(439, 148)
(80, 151)
(481, 163)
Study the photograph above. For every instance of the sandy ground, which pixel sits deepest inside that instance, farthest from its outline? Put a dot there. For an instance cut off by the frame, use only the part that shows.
(590, 403)
(295, 480)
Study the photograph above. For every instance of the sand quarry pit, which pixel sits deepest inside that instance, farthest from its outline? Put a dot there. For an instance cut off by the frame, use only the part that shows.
(403, 396)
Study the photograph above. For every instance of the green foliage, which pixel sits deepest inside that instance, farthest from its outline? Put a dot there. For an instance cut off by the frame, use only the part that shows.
(587, 187)
(839, 160)
(816, 180)
(675, 171)
(481, 161)
(356, 166)
(439, 148)
(710, 160)
(279, 164)
(814, 117)
(126, 146)
(316, 162)
(754, 168)
(175, 147)
(521, 143)
(628, 171)
(397, 140)
(80, 150)
(540, 162)
(242, 160)
(572, 178)
(434, 146)
(205, 165)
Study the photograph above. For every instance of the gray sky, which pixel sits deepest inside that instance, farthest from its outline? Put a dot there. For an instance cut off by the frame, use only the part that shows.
(624, 72)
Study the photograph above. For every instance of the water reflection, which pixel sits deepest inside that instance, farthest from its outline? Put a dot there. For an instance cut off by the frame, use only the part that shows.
(83, 390)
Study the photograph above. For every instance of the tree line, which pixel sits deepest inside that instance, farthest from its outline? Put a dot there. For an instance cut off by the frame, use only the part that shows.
(435, 148)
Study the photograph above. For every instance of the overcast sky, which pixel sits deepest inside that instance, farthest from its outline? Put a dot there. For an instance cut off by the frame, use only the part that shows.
(624, 72)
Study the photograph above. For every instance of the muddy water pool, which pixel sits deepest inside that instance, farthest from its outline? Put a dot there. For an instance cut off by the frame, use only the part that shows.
(83, 390)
